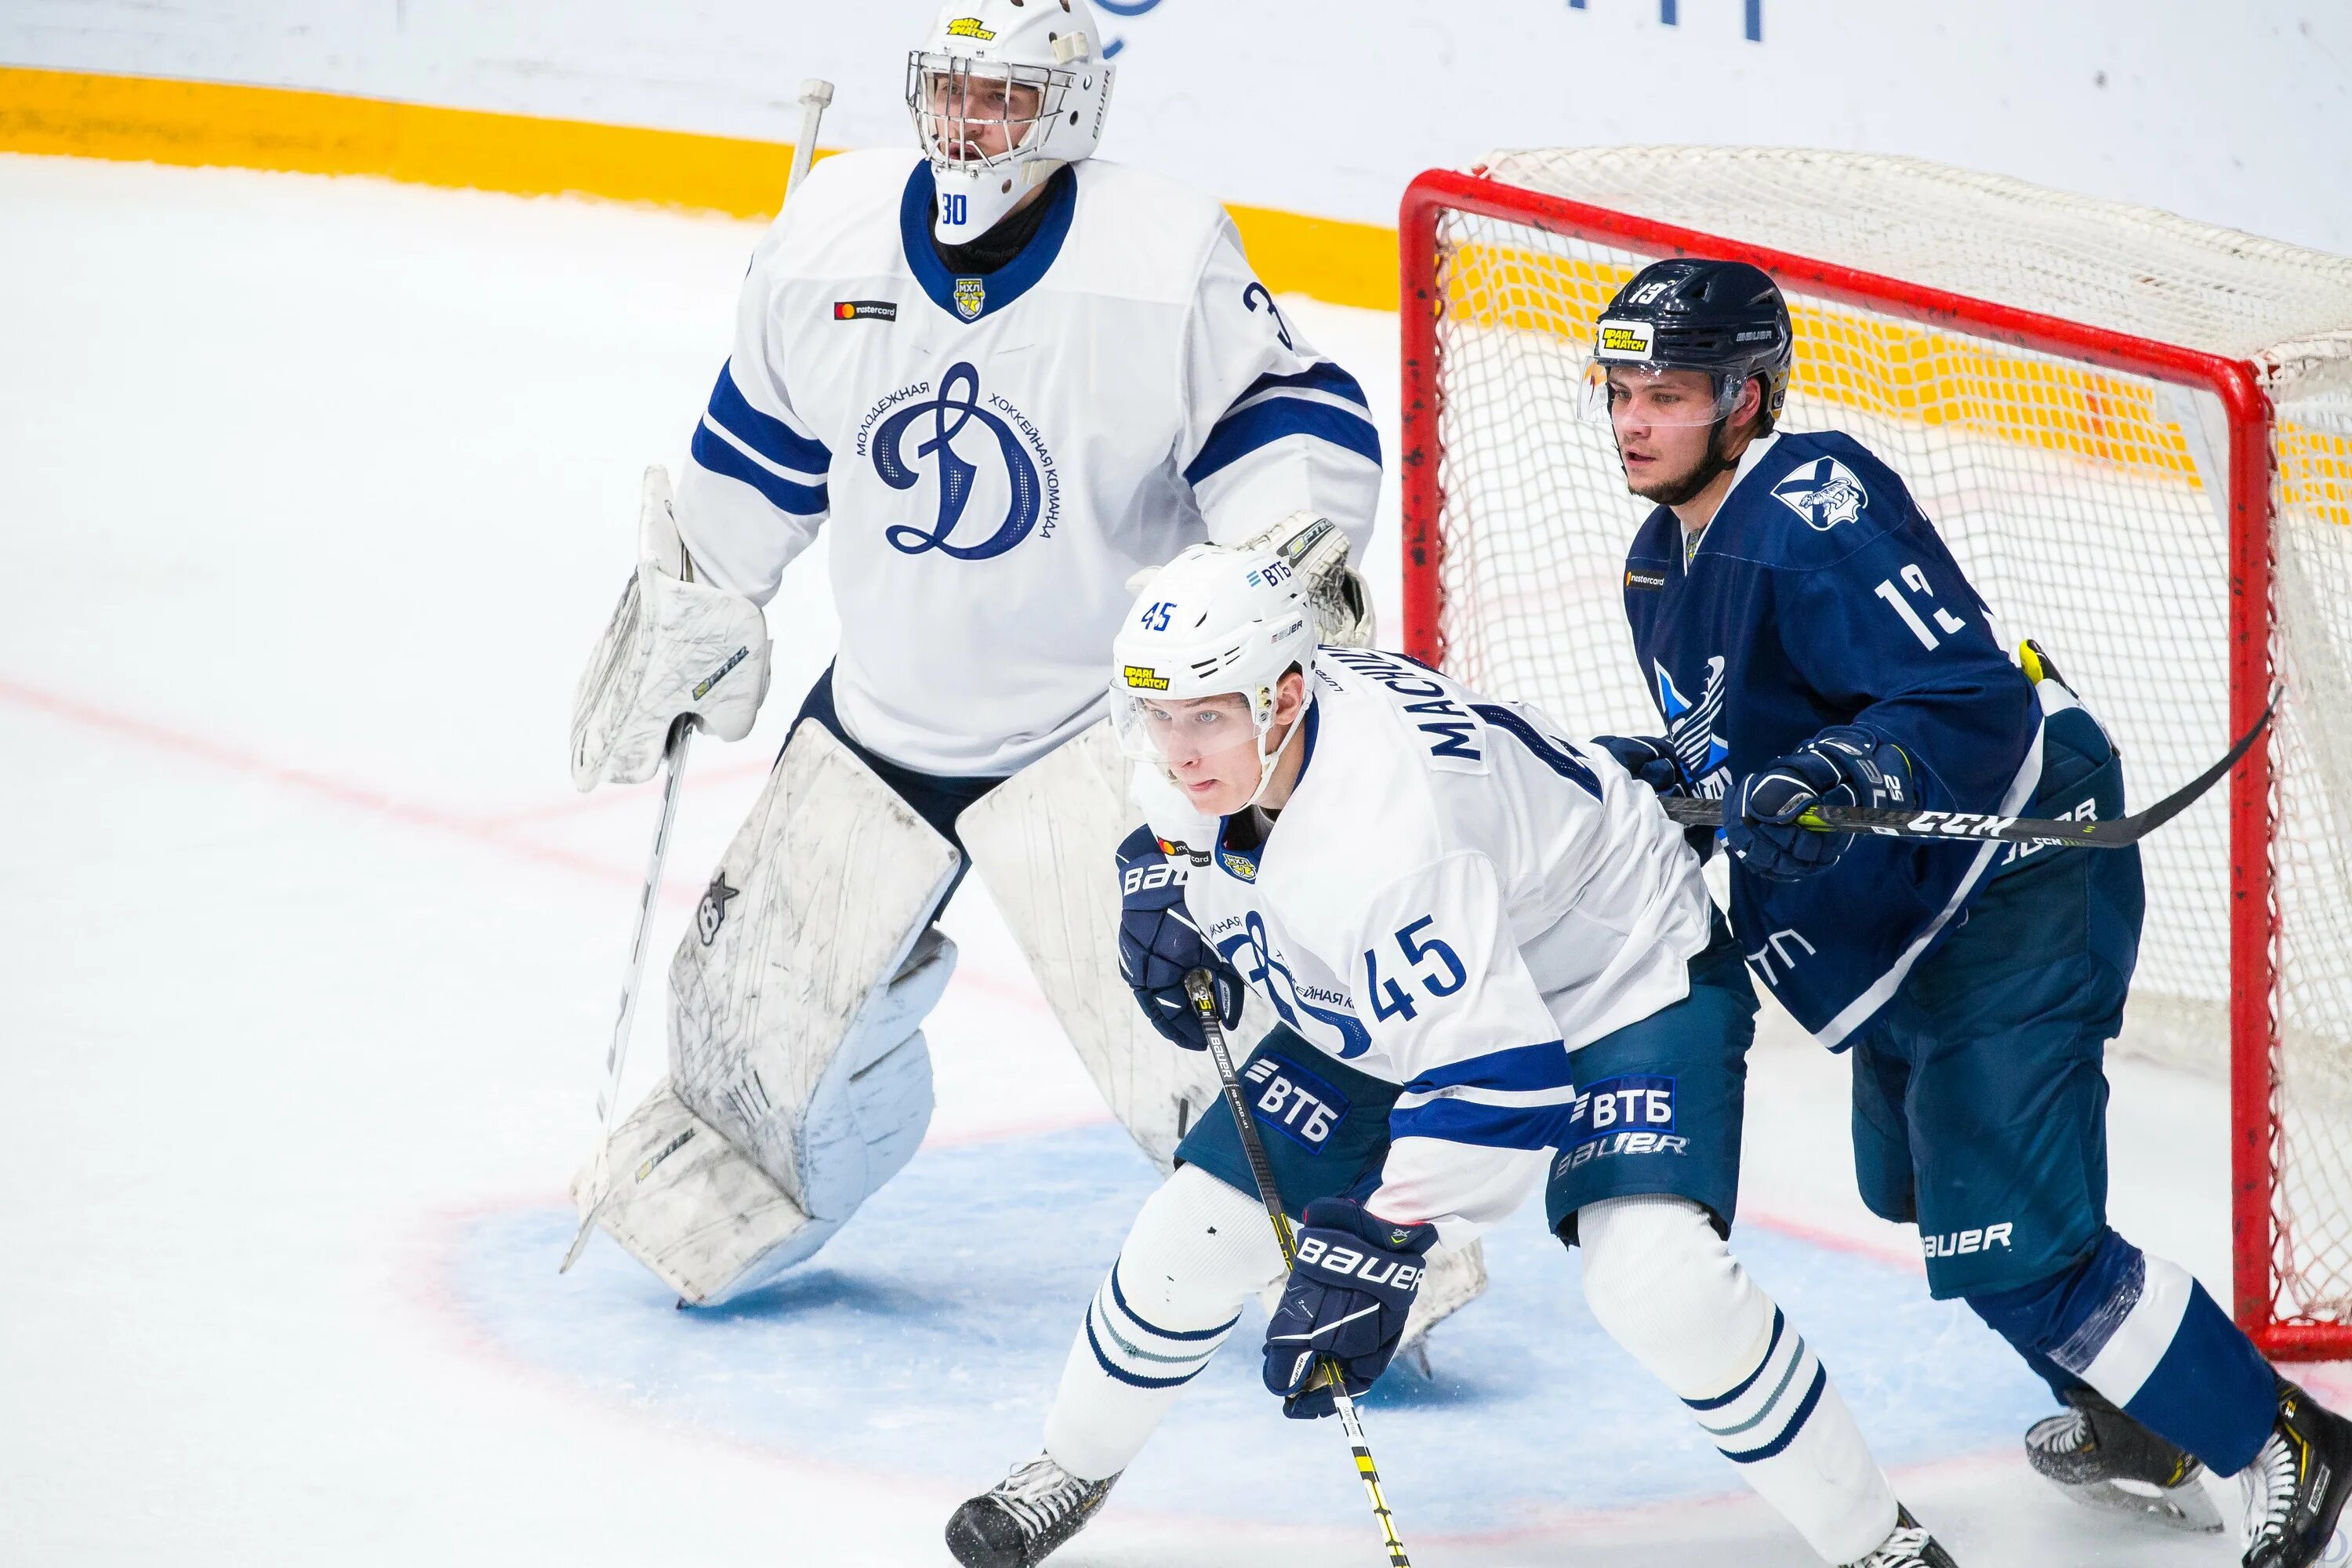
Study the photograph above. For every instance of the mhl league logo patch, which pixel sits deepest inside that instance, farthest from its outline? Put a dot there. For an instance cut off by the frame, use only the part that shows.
(971, 297)
(865, 310)
(1824, 492)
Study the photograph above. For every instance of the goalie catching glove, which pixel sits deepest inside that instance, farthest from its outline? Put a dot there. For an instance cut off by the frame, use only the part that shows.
(1158, 945)
(675, 649)
(1351, 1288)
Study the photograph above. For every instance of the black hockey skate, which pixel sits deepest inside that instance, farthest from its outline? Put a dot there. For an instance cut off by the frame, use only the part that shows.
(2296, 1486)
(2103, 1459)
(1910, 1546)
(1026, 1515)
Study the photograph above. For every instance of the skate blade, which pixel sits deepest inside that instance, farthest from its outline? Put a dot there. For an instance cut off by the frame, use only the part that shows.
(2185, 1508)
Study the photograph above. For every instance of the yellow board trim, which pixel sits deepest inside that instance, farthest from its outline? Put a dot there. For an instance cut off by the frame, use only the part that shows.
(157, 119)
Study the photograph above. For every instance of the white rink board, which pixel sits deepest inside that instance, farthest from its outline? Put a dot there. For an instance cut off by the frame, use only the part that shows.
(325, 488)
(2233, 115)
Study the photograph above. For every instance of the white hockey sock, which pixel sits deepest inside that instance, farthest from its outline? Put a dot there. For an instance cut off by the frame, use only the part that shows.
(1667, 1289)
(1197, 1251)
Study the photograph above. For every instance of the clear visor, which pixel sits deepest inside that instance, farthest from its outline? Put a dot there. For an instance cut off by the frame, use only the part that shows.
(1193, 735)
(1628, 395)
(980, 111)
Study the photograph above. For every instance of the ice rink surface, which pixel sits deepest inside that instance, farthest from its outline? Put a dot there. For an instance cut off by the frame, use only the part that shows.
(317, 494)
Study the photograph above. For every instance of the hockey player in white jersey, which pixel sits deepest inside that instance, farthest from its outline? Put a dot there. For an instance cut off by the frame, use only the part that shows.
(1457, 915)
(999, 376)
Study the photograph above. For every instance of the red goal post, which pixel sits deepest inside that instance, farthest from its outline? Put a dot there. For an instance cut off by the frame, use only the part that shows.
(1504, 268)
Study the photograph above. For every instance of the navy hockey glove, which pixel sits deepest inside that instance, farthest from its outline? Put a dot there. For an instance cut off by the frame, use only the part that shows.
(1845, 765)
(1649, 758)
(1158, 944)
(1349, 1292)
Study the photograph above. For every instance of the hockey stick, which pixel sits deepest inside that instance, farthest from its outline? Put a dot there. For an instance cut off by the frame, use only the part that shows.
(2120, 833)
(1198, 987)
(608, 1099)
(815, 94)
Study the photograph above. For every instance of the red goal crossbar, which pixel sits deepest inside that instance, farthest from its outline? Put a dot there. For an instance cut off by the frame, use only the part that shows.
(2254, 910)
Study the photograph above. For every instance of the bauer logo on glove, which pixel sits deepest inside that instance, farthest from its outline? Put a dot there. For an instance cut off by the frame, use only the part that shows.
(1351, 1290)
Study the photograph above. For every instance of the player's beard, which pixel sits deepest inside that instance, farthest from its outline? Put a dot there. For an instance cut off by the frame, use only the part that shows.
(1686, 487)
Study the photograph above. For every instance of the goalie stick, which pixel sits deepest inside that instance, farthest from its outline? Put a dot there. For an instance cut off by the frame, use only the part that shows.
(1198, 987)
(815, 94)
(1976, 826)
(599, 1183)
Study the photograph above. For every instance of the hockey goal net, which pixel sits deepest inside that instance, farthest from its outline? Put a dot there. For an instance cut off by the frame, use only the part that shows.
(2136, 434)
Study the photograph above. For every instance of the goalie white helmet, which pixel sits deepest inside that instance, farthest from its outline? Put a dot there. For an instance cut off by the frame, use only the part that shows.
(1213, 624)
(1004, 93)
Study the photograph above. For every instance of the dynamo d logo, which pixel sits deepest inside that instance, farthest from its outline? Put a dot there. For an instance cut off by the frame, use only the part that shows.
(969, 449)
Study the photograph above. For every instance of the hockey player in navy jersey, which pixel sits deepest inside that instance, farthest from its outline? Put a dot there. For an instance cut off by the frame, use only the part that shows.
(1809, 640)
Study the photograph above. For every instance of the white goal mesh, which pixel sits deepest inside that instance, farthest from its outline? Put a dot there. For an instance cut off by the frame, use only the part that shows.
(2089, 506)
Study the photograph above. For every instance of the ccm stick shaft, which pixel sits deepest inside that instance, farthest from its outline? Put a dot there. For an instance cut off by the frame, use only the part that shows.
(816, 93)
(1974, 826)
(1198, 987)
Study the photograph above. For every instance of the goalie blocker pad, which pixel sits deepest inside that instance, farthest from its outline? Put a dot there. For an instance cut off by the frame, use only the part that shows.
(800, 1080)
(1042, 841)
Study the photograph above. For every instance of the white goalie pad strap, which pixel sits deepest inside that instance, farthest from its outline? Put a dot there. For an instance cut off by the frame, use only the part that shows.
(1043, 842)
(796, 1000)
(673, 646)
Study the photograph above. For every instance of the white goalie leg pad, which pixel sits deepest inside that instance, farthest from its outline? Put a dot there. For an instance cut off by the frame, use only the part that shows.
(1044, 842)
(674, 647)
(1666, 1287)
(1197, 1251)
(796, 1003)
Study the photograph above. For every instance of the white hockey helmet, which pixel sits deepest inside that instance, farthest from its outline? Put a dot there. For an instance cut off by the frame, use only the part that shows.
(1004, 93)
(1214, 622)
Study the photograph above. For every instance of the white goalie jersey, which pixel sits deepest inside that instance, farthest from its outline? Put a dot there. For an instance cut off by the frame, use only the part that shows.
(994, 456)
(1452, 900)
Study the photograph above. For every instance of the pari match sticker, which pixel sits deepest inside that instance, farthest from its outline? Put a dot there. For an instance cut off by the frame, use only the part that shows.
(1624, 340)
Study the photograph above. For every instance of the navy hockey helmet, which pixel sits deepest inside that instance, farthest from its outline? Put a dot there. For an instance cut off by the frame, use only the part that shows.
(1725, 317)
